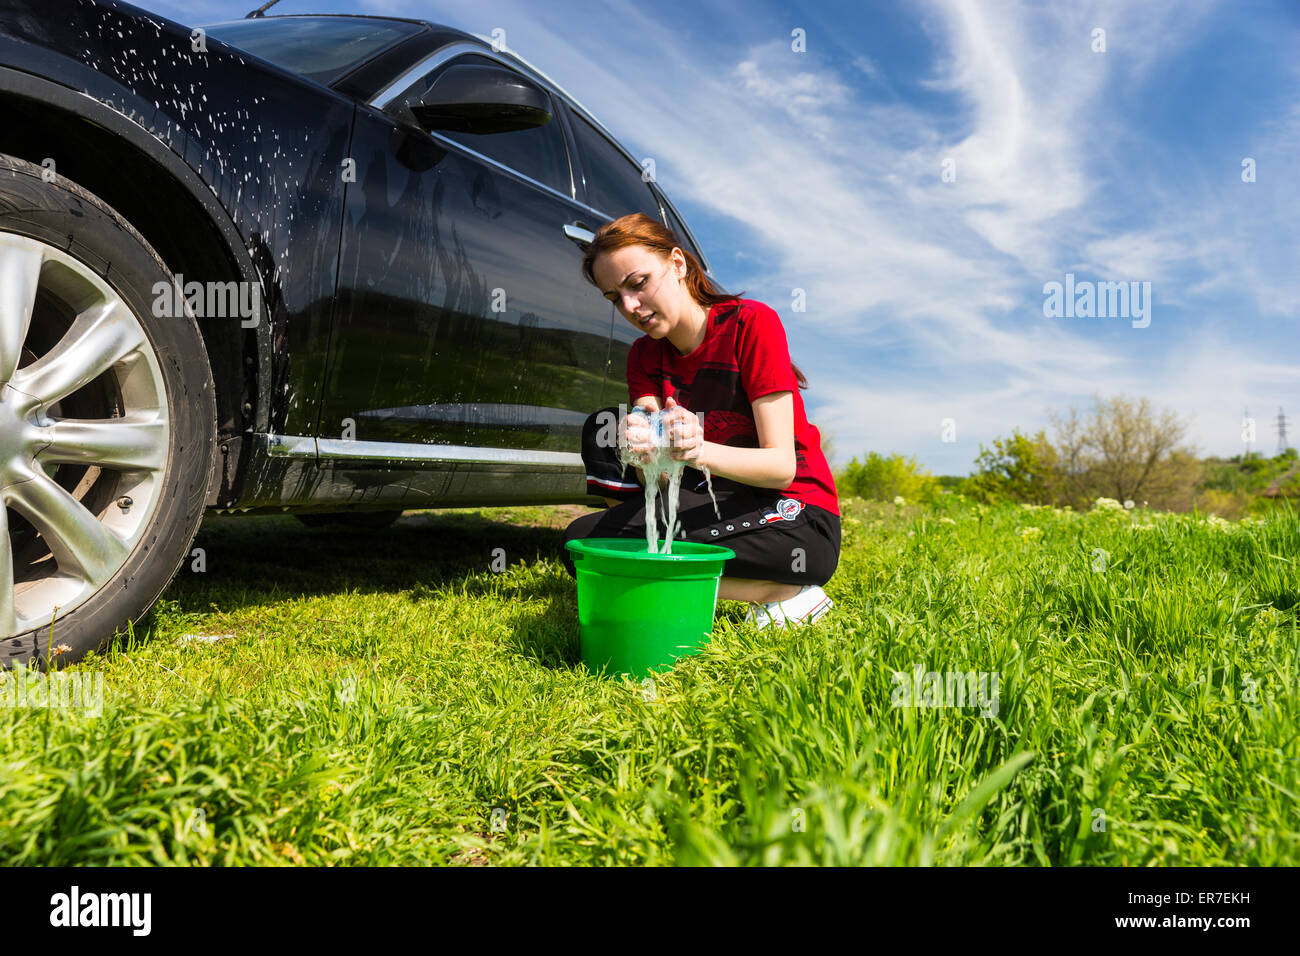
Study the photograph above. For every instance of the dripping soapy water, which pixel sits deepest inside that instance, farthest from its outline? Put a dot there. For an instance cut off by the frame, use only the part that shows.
(661, 461)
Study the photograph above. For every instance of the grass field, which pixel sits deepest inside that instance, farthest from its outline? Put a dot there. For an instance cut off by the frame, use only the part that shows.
(386, 698)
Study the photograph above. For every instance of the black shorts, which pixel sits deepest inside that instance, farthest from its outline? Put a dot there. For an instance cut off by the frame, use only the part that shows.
(790, 542)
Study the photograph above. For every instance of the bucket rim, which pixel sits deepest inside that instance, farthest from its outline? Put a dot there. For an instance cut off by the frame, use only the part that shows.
(592, 546)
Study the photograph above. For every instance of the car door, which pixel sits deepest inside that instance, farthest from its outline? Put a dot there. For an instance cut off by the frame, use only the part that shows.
(613, 184)
(461, 317)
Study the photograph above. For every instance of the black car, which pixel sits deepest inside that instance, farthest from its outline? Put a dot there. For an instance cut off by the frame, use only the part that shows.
(314, 264)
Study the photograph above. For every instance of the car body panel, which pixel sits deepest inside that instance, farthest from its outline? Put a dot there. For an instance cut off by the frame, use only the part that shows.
(431, 257)
(268, 146)
(461, 314)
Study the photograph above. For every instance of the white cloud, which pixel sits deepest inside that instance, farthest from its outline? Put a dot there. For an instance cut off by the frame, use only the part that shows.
(870, 68)
(840, 194)
(898, 415)
(833, 182)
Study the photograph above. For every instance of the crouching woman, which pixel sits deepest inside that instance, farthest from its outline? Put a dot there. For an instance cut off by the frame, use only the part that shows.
(719, 366)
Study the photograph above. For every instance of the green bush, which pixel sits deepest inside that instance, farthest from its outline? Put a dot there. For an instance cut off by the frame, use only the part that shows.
(1018, 468)
(883, 479)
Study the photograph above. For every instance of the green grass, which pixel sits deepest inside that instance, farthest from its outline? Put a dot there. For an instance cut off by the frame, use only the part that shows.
(385, 691)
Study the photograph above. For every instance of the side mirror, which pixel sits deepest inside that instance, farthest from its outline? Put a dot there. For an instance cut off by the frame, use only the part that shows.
(474, 98)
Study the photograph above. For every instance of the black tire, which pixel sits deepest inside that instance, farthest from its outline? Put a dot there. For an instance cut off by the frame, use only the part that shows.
(365, 520)
(67, 217)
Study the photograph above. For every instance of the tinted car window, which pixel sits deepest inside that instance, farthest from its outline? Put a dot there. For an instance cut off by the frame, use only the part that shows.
(614, 184)
(319, 48)
(675, 225)
(539, 153)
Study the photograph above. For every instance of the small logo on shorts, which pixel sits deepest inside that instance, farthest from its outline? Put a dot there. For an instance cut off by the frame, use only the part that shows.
(787, 508)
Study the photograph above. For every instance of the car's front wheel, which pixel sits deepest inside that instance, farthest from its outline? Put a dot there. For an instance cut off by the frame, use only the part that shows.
(107, 422)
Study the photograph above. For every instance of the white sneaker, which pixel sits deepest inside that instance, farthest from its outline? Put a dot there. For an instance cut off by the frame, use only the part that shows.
(804, 608)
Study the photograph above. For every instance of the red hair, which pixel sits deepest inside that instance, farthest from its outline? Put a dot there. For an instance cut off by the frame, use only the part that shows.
(638, 229)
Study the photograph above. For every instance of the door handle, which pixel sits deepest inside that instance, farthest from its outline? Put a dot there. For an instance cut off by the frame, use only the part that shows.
(579, 233)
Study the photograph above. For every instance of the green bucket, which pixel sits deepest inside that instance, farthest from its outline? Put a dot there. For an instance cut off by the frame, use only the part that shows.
(638, 612)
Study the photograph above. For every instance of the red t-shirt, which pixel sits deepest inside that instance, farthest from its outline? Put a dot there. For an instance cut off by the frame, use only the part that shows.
(744, 356)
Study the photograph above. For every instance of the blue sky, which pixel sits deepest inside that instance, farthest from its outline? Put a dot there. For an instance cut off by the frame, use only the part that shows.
(822, 170)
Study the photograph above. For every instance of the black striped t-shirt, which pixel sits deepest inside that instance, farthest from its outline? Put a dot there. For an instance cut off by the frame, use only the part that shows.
(744, 356)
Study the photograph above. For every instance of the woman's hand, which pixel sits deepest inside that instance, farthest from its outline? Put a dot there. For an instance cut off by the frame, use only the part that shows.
(685, 433)
(636, 437)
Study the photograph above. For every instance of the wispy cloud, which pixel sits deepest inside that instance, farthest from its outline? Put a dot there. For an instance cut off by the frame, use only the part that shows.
(822, 171)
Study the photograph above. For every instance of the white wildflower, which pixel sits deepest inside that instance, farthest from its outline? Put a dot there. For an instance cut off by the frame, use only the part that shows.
(1266, 620)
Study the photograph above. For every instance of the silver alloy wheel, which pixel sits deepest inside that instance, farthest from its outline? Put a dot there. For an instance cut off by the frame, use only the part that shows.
(84, 433)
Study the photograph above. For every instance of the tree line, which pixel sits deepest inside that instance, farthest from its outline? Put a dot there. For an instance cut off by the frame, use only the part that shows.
(1122, 448)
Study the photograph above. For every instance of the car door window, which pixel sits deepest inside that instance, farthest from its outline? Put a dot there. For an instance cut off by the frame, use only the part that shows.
(676, 226)
(538, 153)
(614, 183)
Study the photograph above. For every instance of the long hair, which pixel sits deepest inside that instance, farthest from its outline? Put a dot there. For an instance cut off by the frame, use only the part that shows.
(638, 229)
